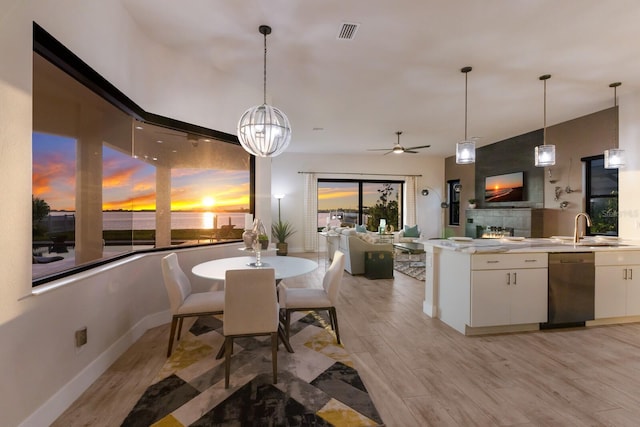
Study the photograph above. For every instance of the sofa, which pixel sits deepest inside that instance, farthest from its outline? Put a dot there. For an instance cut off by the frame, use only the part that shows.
(354, 245)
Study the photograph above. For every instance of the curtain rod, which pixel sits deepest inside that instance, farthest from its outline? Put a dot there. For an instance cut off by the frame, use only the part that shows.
(360, 173)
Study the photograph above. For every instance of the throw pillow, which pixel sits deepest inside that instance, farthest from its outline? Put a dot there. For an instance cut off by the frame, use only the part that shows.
(411, 231)
(361, 229)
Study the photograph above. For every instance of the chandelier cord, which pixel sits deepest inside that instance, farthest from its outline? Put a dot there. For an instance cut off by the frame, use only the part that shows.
(544, 114)
(264, 74)
(466, 76)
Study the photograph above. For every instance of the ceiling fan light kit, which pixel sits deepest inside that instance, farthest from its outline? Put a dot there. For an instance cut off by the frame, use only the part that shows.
(263, 130)
(399, 149)
(545, 154)
(465, 150)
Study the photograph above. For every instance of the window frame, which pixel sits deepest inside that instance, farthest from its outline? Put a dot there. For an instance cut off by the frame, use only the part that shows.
(61, 57)
(361, 183)
(454, 205)
(588, 195)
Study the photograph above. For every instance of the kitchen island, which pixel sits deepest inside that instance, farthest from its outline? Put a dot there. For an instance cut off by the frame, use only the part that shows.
(480, 286)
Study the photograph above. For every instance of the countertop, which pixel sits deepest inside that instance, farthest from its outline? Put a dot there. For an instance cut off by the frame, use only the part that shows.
(521, 245)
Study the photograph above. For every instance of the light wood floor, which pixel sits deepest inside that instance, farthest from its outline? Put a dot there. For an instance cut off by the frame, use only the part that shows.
(422, 373)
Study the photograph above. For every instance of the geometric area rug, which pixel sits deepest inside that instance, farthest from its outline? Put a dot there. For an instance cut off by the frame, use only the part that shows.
(317, 384)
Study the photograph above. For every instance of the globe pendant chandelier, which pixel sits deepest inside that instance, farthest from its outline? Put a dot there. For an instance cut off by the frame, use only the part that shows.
(614, 157)
(465, 150)
(263, 130)
(545, 154)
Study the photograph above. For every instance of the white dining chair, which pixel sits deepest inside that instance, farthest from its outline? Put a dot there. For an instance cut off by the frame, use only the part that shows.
(313, 299)
(183, 302)
(250, 309)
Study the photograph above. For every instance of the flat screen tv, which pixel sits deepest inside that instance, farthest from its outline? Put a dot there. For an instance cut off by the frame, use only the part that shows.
(508, 187)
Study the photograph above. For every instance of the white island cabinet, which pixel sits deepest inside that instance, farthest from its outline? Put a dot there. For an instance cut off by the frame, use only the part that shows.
(508, 289)
(482, 293)
(617, 284)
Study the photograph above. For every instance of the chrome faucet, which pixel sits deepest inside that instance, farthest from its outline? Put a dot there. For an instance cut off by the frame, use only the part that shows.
(576, 238)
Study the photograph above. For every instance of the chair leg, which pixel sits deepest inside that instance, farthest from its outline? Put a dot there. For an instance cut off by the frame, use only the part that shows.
(174, 322)
(180, 328)
(274, 355)
(333, 314)
(287, 323)
(228, 345)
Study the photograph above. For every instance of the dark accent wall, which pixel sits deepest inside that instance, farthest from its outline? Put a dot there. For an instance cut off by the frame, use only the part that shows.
(511, 155)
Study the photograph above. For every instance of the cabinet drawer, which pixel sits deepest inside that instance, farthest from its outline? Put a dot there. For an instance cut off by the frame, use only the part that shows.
(508, 261)
(617, 258)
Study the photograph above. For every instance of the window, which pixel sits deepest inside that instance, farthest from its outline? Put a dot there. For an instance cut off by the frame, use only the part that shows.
(601, 196)
(106, 183)
(453, 195)
(351, 202)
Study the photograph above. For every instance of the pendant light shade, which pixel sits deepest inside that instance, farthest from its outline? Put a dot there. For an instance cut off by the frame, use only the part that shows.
(614, 158)
(263, 130)
(465, 150)
(545, 154)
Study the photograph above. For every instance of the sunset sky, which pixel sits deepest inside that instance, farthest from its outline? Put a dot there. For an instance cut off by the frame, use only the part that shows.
(511, 180)
(344, 195)
(129, 183)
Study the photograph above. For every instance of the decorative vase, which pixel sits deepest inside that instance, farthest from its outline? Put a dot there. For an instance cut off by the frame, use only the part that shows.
(282, 249)
(247, 237)
(472, 205)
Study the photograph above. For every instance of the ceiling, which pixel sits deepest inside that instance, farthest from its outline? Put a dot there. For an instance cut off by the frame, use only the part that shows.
(401, 70)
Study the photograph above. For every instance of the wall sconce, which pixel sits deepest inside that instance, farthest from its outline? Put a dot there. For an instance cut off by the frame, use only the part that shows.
(558, 193)
(564, 204)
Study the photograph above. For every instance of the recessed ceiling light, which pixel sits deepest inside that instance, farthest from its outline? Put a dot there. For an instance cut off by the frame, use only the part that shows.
(139, 127)
(174, 151)
(159, 141)
(155, 158)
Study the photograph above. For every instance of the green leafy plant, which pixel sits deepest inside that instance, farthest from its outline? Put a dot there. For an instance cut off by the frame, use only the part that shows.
(262, 237)
(281, 230)
(473, 201)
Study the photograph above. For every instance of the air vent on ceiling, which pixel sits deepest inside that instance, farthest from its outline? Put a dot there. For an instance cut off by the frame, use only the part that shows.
(348, 31)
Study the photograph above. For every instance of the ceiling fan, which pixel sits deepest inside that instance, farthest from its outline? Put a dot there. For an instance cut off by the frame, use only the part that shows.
(397, 148)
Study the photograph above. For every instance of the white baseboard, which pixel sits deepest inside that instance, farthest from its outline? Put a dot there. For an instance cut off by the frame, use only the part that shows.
(47, 413)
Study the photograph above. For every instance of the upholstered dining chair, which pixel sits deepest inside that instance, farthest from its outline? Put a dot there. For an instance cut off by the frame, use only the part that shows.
(313, 299)
(250, 309)
(183, 302)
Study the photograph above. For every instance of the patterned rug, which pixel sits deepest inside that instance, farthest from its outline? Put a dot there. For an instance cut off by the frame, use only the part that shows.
(317, 385)
(411, 265)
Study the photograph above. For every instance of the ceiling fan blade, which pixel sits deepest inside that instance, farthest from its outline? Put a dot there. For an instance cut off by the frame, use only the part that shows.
(417, 147)
(409, 151)
(378, 149)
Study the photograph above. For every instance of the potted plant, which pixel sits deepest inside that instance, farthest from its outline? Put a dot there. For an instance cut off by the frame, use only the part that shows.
(472, 203)
(264, 241)
(281, 230)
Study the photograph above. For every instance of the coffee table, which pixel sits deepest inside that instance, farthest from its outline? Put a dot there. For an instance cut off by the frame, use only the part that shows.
(410, 248)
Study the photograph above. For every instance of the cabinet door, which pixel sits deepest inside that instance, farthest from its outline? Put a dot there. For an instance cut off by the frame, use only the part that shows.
(633, 290)
(528, 291)
(489, 298)
(611, 292)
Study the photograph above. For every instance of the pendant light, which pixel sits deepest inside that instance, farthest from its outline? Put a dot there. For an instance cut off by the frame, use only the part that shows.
(545, 155)
(465, 150)
(614, 157)
(263, 130)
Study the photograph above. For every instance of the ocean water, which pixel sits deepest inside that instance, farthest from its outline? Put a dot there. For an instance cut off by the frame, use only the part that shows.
(179, 220)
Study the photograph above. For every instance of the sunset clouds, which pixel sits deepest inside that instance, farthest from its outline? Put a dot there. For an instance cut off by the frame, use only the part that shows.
(129, 183)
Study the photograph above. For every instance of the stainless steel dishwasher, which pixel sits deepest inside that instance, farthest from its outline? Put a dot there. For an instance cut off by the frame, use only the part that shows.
(571, 289)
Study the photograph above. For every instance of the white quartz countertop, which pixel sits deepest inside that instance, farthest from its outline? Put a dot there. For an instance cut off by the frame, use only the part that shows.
(519, 245)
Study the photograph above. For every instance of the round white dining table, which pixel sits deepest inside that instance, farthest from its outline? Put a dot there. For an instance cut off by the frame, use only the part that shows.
(284, 266)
